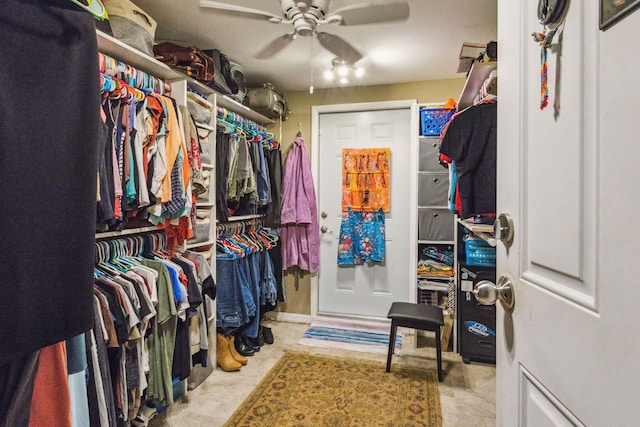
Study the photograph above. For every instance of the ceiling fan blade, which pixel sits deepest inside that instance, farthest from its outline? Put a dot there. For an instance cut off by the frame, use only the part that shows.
(275, 46)
(372, 12)
(244, 11)
(339, 47)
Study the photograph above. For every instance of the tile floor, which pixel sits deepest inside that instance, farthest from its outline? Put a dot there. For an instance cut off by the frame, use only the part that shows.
(467, 395)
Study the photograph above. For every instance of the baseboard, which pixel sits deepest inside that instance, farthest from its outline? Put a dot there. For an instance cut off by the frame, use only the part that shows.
(281, 316)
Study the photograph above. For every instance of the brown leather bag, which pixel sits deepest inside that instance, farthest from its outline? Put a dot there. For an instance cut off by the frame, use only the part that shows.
(188, 59)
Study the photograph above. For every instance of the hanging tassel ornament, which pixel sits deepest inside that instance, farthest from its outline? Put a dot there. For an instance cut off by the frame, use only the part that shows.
(544, 66)
(544, 40)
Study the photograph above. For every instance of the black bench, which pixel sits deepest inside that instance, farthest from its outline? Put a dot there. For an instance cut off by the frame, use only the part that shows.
(415, 316)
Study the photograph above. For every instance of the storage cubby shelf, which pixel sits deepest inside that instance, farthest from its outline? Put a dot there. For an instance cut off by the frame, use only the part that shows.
(483, 231)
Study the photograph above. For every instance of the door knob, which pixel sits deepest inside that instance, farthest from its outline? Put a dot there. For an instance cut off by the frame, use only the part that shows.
(503, 229)
(487, 293)
(323, 214)
(323, 229)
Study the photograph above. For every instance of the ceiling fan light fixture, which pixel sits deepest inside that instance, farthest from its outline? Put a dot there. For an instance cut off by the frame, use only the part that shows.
(343, 72)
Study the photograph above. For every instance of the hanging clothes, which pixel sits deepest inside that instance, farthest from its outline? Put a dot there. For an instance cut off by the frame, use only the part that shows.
(470, 141)
(361, 237)
(245, 275)
(273, 158)
(300, 233)
(51, 399)
(146, 300)
(48, 164)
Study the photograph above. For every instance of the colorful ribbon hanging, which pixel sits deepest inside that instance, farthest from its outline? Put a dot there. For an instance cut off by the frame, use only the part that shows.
(544, 66)
(545, 40)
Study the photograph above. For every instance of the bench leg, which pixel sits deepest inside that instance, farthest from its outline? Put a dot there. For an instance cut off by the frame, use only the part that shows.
(439, 354)
(392, 344)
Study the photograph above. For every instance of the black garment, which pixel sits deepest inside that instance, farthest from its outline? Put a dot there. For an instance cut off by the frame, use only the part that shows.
(105, 214)
(119, 318)
(17, 378)
(273, 159)
(470, 141)
(181, 366)
(193, 292)
(209, 287)
(222, 174)
(276, 258)
(49, 118)
(104, 373)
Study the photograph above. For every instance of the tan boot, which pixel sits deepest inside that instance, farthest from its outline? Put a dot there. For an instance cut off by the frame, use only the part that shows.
(223, 355)
(234, 353)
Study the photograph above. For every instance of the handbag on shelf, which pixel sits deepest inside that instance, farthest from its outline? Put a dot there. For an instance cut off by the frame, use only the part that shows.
(189, 59)
(223, 81)
(237, 74)
(129, 24)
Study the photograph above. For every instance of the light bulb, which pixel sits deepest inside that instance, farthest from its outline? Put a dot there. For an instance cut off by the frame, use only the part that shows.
(359, 72)
(343, 71)
(328, 75)
(344, 80)
(311, 90)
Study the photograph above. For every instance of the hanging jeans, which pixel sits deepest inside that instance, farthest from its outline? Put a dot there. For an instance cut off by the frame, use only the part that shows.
(251, 265)
(234, 298)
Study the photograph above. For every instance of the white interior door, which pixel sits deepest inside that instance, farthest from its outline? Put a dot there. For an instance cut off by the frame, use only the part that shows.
(366, 290)
(568, 353)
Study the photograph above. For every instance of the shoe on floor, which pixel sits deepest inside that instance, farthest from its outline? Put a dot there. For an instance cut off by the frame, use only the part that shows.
(241, 347)
(267, 335)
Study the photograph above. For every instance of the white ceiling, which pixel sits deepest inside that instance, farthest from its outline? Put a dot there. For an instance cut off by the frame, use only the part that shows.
(424, 47)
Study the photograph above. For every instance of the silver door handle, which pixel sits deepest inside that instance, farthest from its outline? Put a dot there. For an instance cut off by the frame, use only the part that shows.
(487, 293)
(323, 229)
(503, 229)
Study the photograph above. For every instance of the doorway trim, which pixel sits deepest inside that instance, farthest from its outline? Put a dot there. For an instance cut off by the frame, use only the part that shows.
(412, 106)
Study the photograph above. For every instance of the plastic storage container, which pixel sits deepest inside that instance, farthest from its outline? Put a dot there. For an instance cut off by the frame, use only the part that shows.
(432, 120)
(479, 253)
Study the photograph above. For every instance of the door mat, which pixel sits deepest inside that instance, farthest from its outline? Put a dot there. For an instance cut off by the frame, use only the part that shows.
(347, 339)
(313, 390)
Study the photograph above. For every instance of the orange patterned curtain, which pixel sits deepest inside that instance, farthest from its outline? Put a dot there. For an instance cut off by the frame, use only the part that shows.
(365, 179)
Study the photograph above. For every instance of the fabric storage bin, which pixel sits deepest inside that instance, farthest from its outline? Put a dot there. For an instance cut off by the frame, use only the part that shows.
(199, 112)
(200, 232)
(435, 224)
(206, 156)
(129, 24)
(479, 253)
(429, 155)
(433, 189)
(206, 176)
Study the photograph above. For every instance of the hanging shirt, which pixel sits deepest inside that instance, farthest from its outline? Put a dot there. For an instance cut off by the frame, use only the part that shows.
(470, 141)
(139, 141)
(48, 174)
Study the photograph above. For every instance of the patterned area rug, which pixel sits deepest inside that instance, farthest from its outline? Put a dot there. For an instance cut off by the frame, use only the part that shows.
(346, 339)
(305, 390)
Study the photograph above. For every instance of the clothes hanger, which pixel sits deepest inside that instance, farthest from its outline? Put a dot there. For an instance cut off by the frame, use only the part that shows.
(104, 265)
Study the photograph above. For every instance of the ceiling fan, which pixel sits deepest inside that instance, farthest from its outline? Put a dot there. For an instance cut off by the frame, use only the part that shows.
(308, 14)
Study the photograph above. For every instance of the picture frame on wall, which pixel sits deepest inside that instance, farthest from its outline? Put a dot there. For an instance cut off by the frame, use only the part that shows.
(611, 11)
